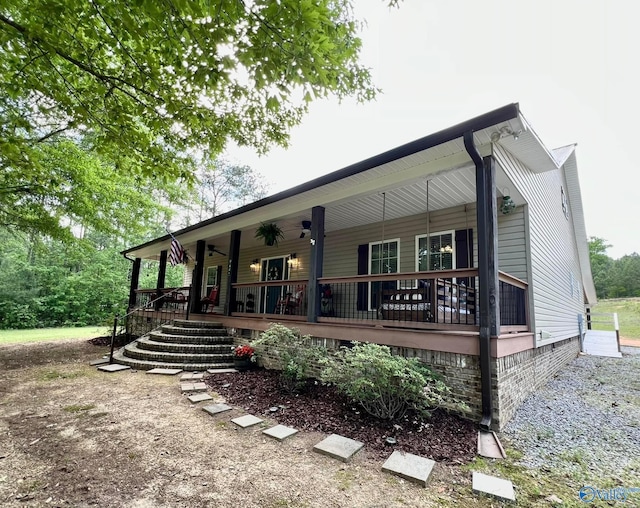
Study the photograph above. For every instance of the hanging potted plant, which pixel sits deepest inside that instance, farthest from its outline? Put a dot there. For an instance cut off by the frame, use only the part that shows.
(270, 233)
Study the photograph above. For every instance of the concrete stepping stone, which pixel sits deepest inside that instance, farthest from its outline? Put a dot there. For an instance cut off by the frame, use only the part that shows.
(216, 409)
(99, 361)
(221, 371)
(338, 447)
(410, 467)
(191, 376)
(193, 387)
(492, 486)
(199, 397)
(280, 432)
(247, 421)
(164, 372)
(114, 367)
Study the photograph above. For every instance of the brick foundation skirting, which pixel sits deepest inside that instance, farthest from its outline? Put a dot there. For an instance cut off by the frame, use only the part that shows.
(517, 376)
(514, 377)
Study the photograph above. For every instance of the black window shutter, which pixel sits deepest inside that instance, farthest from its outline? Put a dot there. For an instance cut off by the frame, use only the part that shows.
(464, 251)
(363, 269)
(219, 284)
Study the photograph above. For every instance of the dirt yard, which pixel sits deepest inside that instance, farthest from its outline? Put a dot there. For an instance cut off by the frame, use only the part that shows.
(73, 436)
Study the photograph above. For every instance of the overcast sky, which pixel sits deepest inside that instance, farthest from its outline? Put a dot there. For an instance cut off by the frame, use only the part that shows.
(571, 64)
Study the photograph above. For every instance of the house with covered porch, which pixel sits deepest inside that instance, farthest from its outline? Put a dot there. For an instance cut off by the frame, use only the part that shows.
(466, 248)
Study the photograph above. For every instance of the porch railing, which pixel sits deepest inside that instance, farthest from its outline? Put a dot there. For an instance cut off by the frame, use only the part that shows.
(283, 298)
(169, 298)
(445, 300)
(436, 300)
(513, 303)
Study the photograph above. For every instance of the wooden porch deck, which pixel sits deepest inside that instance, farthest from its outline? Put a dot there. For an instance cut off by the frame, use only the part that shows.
(450, 341)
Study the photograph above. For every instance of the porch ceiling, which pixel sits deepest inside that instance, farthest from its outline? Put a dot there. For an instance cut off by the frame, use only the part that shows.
(446, 190)
(356, 198)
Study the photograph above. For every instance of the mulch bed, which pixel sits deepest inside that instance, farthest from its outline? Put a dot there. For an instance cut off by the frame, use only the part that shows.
(119, 341)
(443, 437)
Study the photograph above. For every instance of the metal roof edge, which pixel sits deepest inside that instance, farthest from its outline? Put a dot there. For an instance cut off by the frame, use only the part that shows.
(483, 121)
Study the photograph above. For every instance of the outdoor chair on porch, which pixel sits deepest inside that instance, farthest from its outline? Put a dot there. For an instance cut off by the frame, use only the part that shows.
(211, 300)
(291, 302)
(173, 299)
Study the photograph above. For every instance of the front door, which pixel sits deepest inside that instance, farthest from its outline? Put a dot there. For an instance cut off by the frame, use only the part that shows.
(273, 269)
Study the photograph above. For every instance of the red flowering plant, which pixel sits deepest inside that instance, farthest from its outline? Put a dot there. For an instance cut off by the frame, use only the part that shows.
(244, 352)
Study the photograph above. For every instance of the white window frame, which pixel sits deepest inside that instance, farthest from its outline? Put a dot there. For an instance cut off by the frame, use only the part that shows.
(371, 244)
(205, 286)
(451, 232)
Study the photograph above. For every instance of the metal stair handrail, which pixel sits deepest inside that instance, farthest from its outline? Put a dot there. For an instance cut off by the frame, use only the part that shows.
(123, 319)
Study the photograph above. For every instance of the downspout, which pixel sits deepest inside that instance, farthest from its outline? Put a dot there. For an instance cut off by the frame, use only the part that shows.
(483, 290)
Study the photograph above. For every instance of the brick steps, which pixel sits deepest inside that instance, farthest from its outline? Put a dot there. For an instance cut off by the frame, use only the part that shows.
(187, 323)
(189, 339)
(133, 351)
(187, 345)
(118, 357)
(208, 332)
(220, 348)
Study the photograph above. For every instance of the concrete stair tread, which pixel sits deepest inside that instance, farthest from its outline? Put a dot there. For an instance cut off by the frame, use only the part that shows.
(190, 339)
(184, 323)
(176, 330)
(180, 347)
(136, 352)
(151, 364)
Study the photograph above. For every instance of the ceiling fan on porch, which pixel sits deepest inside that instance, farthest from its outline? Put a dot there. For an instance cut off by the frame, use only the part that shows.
(306, 228)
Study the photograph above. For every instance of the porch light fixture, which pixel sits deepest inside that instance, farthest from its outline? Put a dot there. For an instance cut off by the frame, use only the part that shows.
(293, 260)
(446, 249)
(255, 266)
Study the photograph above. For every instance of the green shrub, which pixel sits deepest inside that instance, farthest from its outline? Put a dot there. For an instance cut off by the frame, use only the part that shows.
(295, 352)
(385, 385)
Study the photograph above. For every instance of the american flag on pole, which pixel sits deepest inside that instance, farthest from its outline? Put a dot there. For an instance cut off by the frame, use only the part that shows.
(176, 254)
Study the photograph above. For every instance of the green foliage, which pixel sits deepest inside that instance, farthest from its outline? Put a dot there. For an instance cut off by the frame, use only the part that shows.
(51, 334)
(270, 233)
(152, 82)
(65, 188)
(173, 277)
(613, 278)
(600, 265)
(78, 408)
(223, 186)
(385, 385)
(48, 283)
(628, 310)
(294, 350)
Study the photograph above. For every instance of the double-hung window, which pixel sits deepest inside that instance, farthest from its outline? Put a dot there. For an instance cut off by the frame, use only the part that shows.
(435, 252)
(383, 258)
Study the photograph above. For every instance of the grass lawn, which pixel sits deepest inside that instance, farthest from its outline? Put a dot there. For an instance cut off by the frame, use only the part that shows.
(628, 310)
(43, 334)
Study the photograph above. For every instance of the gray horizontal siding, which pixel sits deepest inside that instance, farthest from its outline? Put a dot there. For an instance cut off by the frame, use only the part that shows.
(512, 256)
(552, 250)
(341, 247)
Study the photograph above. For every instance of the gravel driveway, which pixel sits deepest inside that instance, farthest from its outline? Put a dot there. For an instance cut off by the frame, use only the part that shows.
(585, 422)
